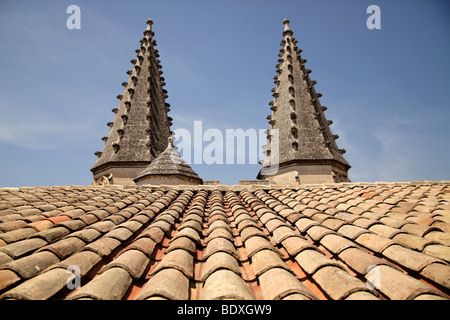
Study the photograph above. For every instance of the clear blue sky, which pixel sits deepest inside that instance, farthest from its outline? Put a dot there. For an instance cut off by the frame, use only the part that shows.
(386, 90)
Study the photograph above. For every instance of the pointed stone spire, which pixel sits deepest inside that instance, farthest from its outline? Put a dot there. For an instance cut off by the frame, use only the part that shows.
(306, 150)
(141, 125)
(169, 169)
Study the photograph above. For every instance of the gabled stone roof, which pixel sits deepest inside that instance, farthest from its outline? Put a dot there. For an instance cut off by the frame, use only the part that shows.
(169, 163)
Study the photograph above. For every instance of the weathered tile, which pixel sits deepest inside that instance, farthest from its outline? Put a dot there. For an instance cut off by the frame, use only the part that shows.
(439, 273)
(397, 285)
(103, 246)
(384, 231)
(88, 219)
(351, 231)
(365, 223)
(247, 224)
(133, 261)
(318, 232)
(184, 243)
(156, 234)
(217, 216)
(8, 278)
(438, 251)
(283, 232)
(115, 218)
(439, 236)
(337, 283)
(429, 297)
(336, 243)
(119, 233)
(412, 241)
(65, 247)
(408, 258)
(12, 225)
(334, 224)
(256, 244)
(188, 233)
(295, 245)
(304, 224)
(102, 226)
(193, 224)
(220, 245)
(87, 235)
(312, 260)
(360, 260)
(30, 266)
(220, 233)
(110, 285)
(219, 224)
(178, 259)
(251, 232)
(168, 283)
(374, 242)
(20, 248)
(361, 295)
(17, 235)
(265, 260)
(219, 260)
(225, 285)
(41, 287)
(277, 283)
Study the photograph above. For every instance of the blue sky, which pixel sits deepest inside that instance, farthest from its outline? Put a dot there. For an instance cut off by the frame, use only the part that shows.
(387, 91)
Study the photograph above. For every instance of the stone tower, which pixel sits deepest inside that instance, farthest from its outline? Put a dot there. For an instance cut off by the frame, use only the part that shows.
(301, 148)
(141, 126)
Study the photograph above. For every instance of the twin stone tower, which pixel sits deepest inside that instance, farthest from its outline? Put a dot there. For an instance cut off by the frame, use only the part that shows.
(300, 149)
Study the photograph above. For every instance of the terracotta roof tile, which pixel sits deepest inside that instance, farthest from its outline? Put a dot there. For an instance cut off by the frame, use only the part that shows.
(278, 284)
(313, 260)
(337, 283)
(168, 283)
(438, 251)
(30, 266)
(343, 241)
(18, 249)
(396, 285)
(64, 247)
(220, 260)
(110, 285)
(41, 287)
(133, 261)
(225, 284)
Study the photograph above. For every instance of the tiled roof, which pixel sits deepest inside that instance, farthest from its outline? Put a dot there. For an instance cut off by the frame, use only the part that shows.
(339, 241)
(169, 162)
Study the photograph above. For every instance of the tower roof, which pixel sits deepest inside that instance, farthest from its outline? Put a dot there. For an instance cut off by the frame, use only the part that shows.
(141, 125)
(298, 119)
(168, 163)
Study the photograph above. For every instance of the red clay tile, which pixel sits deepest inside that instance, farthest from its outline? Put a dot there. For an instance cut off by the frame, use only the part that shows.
(232, 234)
(59, 219)
(41, 225)
(8, 278)
(225, 284)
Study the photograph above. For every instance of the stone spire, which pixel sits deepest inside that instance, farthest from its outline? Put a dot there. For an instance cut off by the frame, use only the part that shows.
(305, 148)
(141, 125)
(168, 168)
